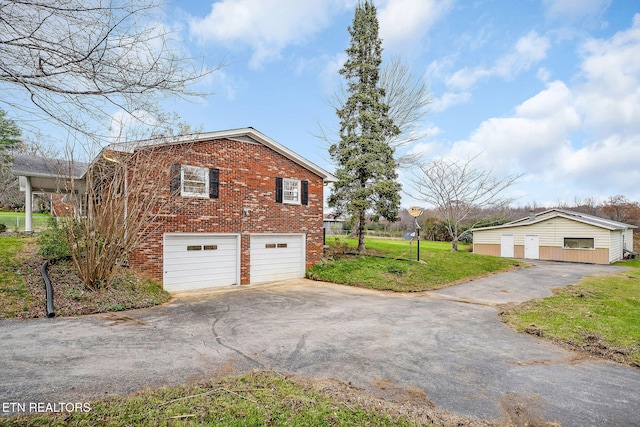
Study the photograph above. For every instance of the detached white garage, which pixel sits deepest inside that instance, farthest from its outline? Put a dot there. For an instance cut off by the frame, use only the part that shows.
(200, 260)
(277, 257)
(557, 235)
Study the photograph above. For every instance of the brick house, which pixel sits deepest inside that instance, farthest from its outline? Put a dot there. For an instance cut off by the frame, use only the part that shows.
(234, 207)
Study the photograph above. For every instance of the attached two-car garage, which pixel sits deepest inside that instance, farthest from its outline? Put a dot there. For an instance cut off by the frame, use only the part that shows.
(207, 260)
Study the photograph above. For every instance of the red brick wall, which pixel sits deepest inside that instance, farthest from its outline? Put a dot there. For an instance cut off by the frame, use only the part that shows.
(247, 180)
(62, 207)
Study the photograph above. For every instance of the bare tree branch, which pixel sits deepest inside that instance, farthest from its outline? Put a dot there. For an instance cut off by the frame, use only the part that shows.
(407, 97)
(458, 190)
(76, 61)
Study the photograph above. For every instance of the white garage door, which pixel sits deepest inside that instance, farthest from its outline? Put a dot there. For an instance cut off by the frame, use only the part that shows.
(196, 261)
(277, 257)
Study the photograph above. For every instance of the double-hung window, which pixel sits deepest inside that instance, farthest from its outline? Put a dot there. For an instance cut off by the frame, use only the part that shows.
(195, 181)
(290, 191)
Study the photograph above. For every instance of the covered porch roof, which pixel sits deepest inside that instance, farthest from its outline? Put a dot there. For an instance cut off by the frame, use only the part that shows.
(48, 176)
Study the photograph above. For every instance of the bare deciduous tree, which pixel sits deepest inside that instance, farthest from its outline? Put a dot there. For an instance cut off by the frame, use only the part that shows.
(126, 191)
(76, 62)
(619, 208)
(458, 190)
(96, 70)
(407, 97)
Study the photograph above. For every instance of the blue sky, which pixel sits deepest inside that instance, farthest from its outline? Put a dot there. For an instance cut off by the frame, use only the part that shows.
(545, 88)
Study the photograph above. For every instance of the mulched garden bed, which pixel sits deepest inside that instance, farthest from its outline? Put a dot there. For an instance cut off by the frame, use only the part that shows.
(72, 298)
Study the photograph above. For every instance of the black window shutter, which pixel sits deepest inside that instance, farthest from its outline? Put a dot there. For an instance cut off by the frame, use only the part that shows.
(174, 179)
(304, 196)
(214, 183)
(278, 190)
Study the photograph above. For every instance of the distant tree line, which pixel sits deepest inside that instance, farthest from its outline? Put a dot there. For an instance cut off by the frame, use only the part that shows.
(433, 227)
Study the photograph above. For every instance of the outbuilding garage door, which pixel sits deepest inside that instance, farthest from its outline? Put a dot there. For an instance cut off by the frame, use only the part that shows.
(277, 257)
(197, 261)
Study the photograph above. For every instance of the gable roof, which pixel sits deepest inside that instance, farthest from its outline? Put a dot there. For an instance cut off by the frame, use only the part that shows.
(247, 134)
(563, 213)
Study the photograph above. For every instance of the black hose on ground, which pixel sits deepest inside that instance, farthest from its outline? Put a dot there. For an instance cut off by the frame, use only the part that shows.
(51, 312)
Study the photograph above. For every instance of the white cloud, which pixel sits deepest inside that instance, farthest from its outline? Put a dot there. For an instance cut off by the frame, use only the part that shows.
(610, 96)
(612, 161)
(572, 141)
(530, 140)
(528, 51)
(448, 100)
(404, 23)
(574, 9)
(267, 27)
(329, 75)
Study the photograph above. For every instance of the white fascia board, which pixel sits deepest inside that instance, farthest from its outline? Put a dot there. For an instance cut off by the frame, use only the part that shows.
(228, 134)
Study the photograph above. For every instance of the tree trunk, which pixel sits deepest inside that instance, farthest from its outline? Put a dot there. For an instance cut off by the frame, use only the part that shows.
(361, 219)
(454, 245)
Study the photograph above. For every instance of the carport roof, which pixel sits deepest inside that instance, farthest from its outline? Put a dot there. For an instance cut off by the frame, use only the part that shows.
(41, 167)
(48, 174)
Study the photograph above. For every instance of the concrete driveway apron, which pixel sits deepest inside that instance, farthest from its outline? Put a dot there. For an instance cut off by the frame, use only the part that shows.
(448, 343)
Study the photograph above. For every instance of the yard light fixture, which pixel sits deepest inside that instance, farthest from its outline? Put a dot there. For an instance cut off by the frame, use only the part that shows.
(415, 212)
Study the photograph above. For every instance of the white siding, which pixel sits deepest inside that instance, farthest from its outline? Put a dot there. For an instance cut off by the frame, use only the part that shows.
(552, 233)
(615, 246)
(620, 240)
(628, 239)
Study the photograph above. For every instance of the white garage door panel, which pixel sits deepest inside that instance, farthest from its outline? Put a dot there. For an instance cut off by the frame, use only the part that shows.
(214, 263)
(277, 257)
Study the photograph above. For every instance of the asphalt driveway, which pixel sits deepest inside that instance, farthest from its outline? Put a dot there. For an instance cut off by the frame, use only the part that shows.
(448, 343)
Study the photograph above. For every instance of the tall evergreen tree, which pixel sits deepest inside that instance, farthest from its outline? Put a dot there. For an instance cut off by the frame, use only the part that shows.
(10, 139)
(9, 133)
(366, 169)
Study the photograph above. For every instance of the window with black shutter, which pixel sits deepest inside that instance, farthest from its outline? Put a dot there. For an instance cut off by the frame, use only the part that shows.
(290, 191)
(304, 196)
(194, 181)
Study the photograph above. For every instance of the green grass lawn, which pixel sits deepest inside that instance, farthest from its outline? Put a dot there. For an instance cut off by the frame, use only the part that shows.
(14, 294)
(400, 248)
(15, 220)
(438, 266)
(255, 399)
(600, 315)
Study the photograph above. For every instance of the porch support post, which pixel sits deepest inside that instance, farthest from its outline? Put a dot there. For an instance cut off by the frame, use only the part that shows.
(28, 204)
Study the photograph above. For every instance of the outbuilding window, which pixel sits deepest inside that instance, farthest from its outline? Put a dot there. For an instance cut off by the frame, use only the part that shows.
(579, 243)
